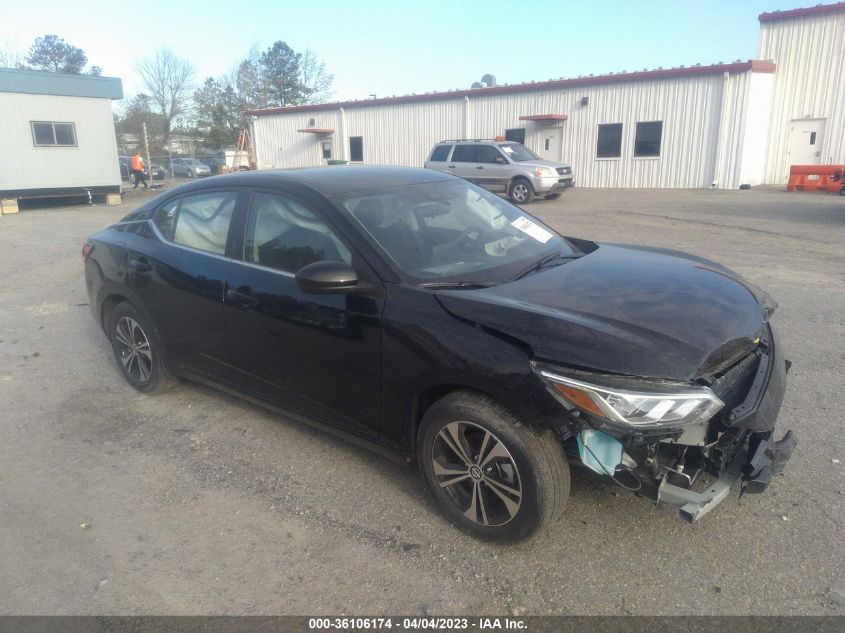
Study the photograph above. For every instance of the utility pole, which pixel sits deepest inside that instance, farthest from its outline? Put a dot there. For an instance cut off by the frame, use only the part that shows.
(147, 147)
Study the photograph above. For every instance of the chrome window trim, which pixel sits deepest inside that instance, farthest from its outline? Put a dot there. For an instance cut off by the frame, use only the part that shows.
(191, 249)
(184, 247)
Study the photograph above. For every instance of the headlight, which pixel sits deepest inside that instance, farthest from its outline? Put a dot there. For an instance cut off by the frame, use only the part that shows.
(655, 406)
(544, 171)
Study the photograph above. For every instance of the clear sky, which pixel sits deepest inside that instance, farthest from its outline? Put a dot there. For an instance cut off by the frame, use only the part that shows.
(401, 47)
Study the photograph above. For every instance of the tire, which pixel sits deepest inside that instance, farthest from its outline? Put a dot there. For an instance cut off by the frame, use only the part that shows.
(514, 488)
(137, 350)
(521, 191)
(552, 196)
(190, 174)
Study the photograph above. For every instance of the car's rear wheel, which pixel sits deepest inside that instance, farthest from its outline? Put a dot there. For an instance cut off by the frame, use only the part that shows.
(137, 350)
(491, 475)
(521, 191)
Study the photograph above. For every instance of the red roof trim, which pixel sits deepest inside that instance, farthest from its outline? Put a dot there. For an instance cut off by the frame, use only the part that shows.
(819, 9)
(754, 66)
(317, 130)
(544, 117)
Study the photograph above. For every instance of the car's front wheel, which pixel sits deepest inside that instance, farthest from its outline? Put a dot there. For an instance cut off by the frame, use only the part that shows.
(521, 191)
(137, 350)
(492, 475)
(190, 174)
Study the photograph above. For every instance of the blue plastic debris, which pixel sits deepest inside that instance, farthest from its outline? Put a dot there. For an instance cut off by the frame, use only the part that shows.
(599, 451)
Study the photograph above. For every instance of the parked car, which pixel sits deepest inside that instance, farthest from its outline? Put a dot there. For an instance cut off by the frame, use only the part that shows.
(215, 165)
(421, 315)
(154, 170)
(502, 166)
(189, 167)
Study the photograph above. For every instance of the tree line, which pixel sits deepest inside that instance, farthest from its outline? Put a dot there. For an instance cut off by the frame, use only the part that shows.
(174, 100)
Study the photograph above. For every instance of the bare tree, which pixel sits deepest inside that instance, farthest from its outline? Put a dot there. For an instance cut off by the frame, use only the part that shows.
(11, 54)
(315, 79)
(169, 80)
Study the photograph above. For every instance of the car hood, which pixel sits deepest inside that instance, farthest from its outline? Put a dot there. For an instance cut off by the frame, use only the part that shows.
(625, 309)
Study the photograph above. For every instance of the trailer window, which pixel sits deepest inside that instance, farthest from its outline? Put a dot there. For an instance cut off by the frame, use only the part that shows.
(50, 134)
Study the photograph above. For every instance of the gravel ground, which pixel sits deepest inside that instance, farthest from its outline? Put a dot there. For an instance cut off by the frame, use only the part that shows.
(194, 502)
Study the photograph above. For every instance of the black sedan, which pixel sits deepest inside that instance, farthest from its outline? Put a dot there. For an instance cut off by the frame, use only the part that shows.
(435, 322)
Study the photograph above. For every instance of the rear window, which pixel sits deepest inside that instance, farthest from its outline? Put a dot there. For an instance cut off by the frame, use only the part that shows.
(440, 153)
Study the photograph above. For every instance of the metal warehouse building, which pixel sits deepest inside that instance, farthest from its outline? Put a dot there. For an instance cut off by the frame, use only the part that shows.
(57, 134)
(720, 125)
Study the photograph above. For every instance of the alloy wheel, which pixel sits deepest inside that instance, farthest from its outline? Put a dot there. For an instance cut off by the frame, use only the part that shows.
(477, 473)
(134, 347)
(520, 192)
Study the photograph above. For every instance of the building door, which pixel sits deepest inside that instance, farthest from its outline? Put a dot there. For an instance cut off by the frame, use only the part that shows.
(551, 139)
(805, 141)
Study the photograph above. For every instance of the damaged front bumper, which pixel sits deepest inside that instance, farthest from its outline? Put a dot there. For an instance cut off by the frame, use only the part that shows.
(769, 459)
(746, 450)
(695, 465)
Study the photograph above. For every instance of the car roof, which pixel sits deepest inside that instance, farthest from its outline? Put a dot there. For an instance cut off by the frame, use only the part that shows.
(335, 180)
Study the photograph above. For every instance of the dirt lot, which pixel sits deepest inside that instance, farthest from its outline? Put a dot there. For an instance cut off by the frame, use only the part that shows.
(197, 503)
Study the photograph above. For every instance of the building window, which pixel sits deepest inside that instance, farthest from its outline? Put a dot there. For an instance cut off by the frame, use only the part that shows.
(327, 148)
(516, 135)
(356, 149)
(609, 144)
(648, 138)
(49, 134)
(546, 144)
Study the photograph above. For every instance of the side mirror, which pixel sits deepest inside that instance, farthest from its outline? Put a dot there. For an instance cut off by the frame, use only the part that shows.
(501, 160)
(326, 276)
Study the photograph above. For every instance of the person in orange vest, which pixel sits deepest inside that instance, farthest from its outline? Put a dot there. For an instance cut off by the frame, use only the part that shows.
(138, 169)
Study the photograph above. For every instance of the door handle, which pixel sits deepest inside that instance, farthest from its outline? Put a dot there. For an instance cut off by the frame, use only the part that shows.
(451, 166)
(244, 299)
(140, 265)
(480, 167)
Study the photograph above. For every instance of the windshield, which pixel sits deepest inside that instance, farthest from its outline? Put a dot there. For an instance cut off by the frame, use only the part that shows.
(518, 152)
(452, 231)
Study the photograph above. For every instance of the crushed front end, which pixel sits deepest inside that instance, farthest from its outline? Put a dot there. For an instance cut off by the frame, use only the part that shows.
(683, 444)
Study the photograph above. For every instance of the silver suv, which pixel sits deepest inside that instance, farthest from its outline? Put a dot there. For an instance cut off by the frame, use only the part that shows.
(502, 166)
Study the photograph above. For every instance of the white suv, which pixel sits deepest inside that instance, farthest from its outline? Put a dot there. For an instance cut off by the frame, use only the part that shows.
(502, 166)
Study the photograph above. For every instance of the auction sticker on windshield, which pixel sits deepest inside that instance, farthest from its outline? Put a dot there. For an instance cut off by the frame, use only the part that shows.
(529, 228)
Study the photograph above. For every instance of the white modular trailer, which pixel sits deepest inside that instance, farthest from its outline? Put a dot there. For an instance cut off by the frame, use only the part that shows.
(706, 126)
(808, 100)
(57, 134)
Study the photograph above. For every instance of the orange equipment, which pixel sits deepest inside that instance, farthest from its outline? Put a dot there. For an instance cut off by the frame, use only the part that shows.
(829, 178)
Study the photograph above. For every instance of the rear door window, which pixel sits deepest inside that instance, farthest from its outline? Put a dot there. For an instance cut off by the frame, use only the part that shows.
(200, 221)
(465, 154)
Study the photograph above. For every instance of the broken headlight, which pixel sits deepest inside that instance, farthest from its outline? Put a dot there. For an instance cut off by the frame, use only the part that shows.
(638, 404)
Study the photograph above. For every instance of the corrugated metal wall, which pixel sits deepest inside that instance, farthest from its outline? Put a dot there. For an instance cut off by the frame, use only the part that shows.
(92, 163)
(809, 84)
(690, 108)
(703, 119)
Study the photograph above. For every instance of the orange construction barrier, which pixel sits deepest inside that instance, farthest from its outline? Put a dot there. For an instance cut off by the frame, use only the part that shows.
(816, 178)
